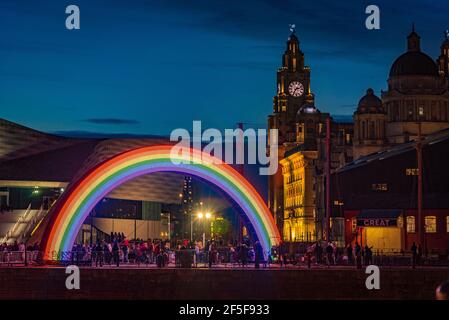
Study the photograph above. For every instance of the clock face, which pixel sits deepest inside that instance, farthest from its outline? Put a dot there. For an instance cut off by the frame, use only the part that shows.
(296, 89)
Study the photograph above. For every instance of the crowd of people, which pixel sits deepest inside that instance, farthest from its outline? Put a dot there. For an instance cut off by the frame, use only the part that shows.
(18, 247)
(117, 249)
(327, 254)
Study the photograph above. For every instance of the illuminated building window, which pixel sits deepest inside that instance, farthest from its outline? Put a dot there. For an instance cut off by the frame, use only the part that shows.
(338, 203)
(410, 224)
(354, 225)
(400, 222)
(379, 187)
(430, 224)
(447, 224)
(348, 138)
(411, 171)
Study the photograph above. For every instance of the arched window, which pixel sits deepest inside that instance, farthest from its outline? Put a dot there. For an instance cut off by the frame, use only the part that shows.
(372, 131)
(363, 130)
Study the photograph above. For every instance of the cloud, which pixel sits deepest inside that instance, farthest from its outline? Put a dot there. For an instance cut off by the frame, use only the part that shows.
(114, 121)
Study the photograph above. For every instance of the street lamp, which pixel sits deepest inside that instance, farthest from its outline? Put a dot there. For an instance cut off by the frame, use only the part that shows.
(204, 217)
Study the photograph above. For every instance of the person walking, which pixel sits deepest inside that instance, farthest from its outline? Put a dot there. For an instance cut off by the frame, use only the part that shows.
(318, 252)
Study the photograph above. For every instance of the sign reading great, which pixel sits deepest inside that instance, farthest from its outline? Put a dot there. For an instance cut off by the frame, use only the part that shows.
(377, 222)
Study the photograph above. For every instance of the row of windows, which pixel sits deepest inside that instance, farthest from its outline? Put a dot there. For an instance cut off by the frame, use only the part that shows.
(430, 224)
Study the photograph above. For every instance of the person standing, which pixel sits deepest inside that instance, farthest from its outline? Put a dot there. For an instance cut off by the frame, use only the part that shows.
(258, 252)
(358, 255)
(414, 250)
(329, 253)
(368, 255)
(116, 253)
(350, 254)
(99, 254)
(212, 253)
(419, 255)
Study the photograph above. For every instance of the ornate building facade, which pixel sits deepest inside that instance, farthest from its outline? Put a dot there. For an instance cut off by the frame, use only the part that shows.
(293, 91)
(296, 191)
(416, 101)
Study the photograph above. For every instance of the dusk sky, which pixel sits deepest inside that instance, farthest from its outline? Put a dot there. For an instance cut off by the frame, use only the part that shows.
(147, 67)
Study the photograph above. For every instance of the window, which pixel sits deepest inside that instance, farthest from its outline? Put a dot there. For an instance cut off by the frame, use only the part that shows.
(354, 225)
(410, 224)
(411, 171)
(430, 224)
(400, 222)
(447, 224)
(379, 187)
(348, 138)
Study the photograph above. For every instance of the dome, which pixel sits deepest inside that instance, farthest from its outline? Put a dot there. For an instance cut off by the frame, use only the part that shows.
(370, 103)
(414, 63)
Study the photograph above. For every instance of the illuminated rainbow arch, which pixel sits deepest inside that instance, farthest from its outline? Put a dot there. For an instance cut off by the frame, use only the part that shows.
(79, 200)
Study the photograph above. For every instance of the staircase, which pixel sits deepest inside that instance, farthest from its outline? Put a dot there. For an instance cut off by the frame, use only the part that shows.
(21, 230)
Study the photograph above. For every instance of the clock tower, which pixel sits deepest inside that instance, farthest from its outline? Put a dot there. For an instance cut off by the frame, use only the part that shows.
(293, 91)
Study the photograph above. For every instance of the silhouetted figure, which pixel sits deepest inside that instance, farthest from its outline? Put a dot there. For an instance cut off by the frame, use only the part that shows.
(258, 252)
(329, 252)
(414, 250)
(368, 255)
(116, 253)
(350, 254)
(358, 255)
(318, 253)
(419, 255)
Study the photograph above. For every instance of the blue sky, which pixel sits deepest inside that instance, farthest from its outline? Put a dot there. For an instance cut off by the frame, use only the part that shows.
(147, 67)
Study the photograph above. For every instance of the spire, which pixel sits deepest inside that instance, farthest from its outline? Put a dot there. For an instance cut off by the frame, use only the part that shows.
(413, 40)
(293, 58)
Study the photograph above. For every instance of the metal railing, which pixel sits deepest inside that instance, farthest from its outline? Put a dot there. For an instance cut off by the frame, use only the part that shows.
(11, 258)
(190, 258)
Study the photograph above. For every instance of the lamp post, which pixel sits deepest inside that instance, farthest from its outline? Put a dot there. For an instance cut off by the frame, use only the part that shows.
(204, 217)
(419, 147)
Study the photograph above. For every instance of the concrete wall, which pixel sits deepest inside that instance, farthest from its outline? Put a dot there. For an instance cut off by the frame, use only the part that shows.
(205, 284)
